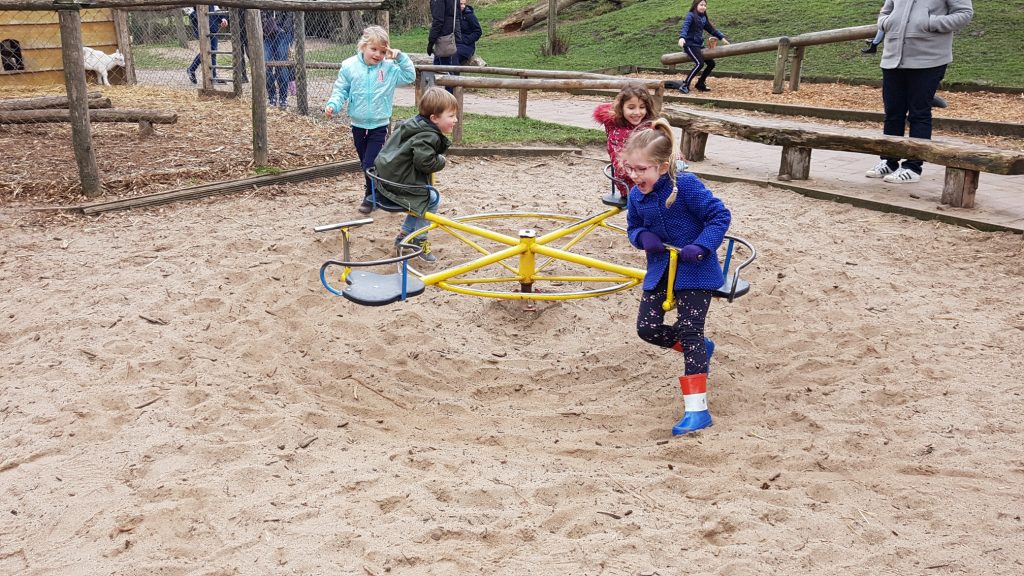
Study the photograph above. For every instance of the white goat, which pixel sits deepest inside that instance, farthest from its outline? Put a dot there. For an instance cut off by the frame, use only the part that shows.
(101, 62)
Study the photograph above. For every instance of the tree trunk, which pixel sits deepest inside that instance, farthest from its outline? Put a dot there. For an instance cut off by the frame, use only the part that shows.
(531, 16)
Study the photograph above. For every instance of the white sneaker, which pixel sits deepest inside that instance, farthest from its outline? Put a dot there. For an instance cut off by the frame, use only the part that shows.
(880, 170)
(902, 176)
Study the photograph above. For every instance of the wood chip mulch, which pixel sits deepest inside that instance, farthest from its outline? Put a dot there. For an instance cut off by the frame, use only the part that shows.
(212, 141)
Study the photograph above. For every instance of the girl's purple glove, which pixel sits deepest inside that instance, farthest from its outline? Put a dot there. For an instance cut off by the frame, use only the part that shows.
(693, 253)
(650, 242)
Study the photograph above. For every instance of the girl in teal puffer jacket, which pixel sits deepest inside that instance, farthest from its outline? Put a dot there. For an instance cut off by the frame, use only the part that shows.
(366, 83)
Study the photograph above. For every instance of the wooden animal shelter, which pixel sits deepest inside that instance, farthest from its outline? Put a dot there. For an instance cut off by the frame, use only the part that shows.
(31, 49)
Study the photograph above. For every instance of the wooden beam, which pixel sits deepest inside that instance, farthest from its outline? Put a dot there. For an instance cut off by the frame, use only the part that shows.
(499, 71)
(101, 115)
(956, 154)
(796, 67)
(236, 20)
(552, 18)
(258, 77)
(457, 131)
(310, 5)
(301, 85)
(78, 100)
(959, 187)
(769, 44)
(124, 44)
(542, 84)
(95, 99)
(205, 58)
(217, 188)
(780, 65)
(693, 144)
(795, 164)
(533, 15)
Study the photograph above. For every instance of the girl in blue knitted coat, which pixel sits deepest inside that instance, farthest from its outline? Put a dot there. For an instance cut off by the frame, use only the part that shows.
(677, 209)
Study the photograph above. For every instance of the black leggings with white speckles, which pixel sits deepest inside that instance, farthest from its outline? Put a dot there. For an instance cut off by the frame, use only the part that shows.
(691, 311)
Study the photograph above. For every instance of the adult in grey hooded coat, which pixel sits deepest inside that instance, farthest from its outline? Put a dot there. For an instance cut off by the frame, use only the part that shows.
(918, 47)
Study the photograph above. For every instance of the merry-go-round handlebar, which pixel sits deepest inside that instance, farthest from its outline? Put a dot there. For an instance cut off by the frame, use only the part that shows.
(732, 280)
(346, 263)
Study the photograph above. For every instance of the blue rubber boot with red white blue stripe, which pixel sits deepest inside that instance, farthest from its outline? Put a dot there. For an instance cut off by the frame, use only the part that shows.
(695, 399)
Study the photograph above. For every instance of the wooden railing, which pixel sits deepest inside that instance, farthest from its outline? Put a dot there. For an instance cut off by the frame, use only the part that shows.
(526, 80)
(781, 44)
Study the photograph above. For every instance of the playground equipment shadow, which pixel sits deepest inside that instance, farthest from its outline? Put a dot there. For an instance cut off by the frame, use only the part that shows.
(836, 176)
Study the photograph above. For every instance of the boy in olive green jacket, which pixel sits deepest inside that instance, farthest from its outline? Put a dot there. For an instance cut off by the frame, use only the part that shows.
(411, 154)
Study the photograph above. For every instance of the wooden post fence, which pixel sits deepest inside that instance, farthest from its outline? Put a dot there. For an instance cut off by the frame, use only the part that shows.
(523, 95)
(237, 20)
(457, 131)
(769, 44)
(552, 26)
(125, 43)
(794, 68)
(780, 65)
(78, 99)
(552, 84)
(258, 77)
(301, 89)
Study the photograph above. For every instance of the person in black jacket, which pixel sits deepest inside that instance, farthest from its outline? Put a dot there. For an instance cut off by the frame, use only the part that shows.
(442, 23)
(471, 32)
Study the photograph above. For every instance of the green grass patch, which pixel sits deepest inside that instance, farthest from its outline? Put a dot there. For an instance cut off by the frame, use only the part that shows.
(265, 170)
(150, 57)
(601, 36)
(479, 129)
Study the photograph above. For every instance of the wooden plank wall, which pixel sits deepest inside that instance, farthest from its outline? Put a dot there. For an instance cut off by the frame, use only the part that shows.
(39, 35)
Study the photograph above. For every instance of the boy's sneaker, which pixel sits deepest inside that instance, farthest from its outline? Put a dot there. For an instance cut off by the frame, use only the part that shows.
(424, 244)
(421, 242)
(366, 207)
(881, 170)
(684, 89)
(902, 176)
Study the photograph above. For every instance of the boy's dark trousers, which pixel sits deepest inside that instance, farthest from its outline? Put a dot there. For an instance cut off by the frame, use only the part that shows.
(368, 144)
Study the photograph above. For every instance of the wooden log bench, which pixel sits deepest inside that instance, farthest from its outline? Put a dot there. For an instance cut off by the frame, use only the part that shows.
(145, 118)
(963, 161)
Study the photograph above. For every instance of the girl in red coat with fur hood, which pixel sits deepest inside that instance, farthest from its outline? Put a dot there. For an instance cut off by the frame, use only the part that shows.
(633, 108)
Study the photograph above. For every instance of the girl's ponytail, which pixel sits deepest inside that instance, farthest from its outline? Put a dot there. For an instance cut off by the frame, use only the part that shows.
(662, 125)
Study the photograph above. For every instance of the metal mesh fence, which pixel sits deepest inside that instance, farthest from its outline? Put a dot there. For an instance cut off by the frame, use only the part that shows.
(150, 62)
(165, 46)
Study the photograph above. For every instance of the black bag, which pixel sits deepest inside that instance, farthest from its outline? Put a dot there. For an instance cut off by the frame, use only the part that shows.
(444, 46)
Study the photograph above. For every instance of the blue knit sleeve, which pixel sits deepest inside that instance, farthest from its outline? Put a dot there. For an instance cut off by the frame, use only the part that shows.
(705, 208)
(634, 224)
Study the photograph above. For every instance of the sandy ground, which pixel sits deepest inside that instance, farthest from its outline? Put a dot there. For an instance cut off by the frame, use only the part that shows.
(181, 396)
